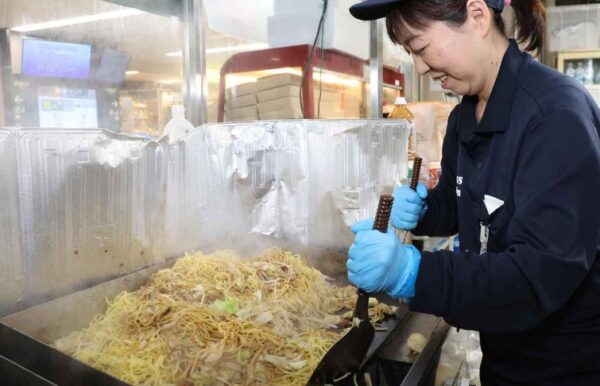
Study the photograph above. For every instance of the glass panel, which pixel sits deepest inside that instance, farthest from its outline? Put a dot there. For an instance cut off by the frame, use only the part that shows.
(90, 64)
(262, 50)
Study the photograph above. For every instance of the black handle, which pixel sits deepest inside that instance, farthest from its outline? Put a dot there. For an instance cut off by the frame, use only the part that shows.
(416, 172)
(382, 218)
(384, 210)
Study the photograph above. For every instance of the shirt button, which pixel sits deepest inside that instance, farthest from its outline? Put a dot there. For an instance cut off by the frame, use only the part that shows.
(479, 165)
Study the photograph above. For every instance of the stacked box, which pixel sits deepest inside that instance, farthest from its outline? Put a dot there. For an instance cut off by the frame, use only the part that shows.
(240, 102)
(279, 98)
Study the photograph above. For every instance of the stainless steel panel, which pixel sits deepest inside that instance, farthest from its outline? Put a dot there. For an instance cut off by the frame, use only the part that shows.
(376, 67)
(11, 263)
(82, 206)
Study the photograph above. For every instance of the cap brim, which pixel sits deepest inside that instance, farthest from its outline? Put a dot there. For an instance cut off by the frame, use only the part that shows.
(373, 9)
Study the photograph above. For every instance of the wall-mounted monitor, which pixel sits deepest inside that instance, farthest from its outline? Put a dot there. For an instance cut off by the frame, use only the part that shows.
(112, 67)
(49, 59)
(67, 108)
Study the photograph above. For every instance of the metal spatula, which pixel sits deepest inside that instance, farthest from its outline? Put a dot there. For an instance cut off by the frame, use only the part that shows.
(346, 356)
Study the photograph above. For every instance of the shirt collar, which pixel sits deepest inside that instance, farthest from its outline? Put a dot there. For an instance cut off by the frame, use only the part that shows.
(497, 112)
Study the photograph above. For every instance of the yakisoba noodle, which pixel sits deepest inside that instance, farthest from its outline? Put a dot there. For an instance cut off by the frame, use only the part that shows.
(218, 320)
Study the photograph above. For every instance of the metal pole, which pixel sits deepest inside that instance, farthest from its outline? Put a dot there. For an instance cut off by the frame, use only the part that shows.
(376, 68)
(195, 91)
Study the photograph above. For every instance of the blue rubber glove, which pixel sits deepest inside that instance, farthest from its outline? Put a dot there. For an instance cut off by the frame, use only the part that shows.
(379, 262)
(409, 206)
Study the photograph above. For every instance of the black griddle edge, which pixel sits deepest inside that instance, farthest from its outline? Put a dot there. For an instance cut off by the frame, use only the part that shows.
(25, 361)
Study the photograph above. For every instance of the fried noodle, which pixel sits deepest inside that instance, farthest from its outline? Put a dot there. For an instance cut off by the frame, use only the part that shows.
(218, 319)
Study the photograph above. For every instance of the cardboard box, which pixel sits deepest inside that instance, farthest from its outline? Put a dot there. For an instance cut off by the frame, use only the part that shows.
(241, 89)
(288, 113)
(291, 90)
(241, 101)
(272, 81)
(249, 118)
(236, 114)
(328, 109)
(279, 104)
(285, 91)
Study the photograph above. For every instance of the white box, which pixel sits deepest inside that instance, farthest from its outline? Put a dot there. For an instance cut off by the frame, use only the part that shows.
(279, 104)
(573, 27)
(278, 92)
(241, 101)
(292, 90)
(278, 80)
(241, 90)
(289, 113)
(327, 109)
(236, 114)
(294, 25)
(249, 118)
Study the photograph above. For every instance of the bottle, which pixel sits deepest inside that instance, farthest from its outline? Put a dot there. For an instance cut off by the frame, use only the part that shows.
(589, 73)
(401, 111)
(580, 73)
(570, 71)
(178, 126)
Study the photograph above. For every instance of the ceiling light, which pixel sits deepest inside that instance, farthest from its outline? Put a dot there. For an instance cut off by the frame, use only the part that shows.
(216, 50)
(131, 72)
(78, 20)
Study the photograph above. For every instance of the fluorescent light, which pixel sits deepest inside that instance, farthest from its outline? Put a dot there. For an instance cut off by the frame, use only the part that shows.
(216, 50)
(131, 72)
(78, 20)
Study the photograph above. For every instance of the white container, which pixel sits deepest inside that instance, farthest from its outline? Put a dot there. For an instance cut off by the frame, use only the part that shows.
(573, 27)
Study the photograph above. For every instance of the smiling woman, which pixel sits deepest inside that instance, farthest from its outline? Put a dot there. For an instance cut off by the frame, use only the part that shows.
(528, 272)
(530, 17)
(461, 43)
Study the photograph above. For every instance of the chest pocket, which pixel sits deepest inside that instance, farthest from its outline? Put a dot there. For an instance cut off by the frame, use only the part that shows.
(498, 223)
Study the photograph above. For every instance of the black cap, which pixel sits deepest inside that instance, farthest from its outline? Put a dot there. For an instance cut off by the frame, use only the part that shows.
(376, 9)
(373, 9)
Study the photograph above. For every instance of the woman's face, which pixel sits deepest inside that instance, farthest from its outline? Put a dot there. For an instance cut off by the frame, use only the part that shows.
(449, 54)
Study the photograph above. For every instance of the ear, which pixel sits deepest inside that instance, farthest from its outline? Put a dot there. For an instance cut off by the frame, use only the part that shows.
(479, 16)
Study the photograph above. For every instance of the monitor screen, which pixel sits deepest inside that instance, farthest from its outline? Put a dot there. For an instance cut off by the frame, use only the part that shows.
(49, 59)
(67, 108)
(113, 65)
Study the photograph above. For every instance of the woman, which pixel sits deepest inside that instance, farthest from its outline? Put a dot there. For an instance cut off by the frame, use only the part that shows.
(520, 184)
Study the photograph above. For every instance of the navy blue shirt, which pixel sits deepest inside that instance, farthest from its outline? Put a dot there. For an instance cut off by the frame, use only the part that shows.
(533, 289)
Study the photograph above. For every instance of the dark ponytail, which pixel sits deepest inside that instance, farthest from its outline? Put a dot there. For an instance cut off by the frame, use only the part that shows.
(530, 23)
(530, 18)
